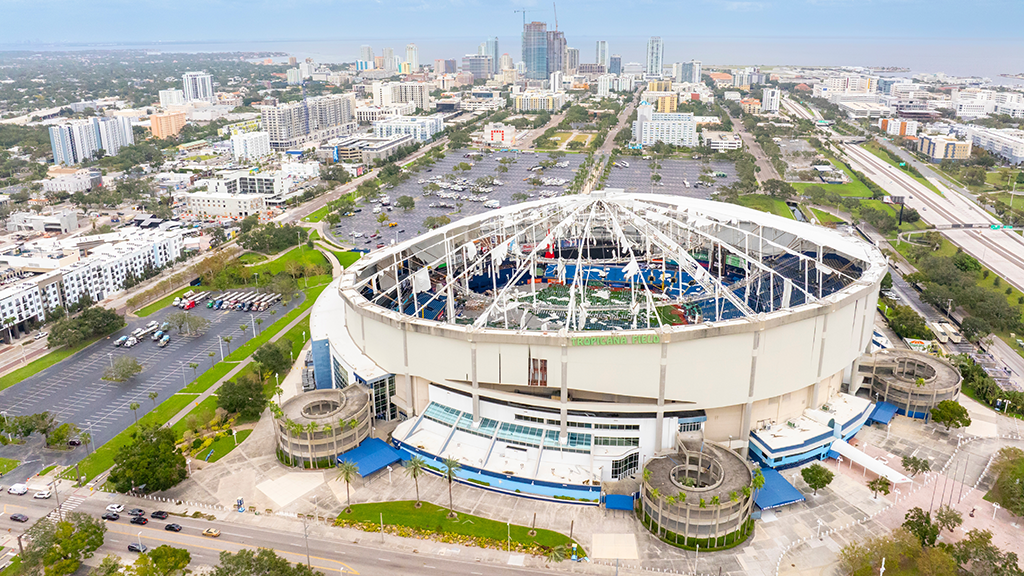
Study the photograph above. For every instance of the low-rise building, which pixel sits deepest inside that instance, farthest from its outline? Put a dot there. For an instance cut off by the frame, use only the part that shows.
(860, 110)
(370, 114)
(80, 181)
(499, 135)
(538, 100)
(898, 127)
(719, 141)
(61, 222)
(750, 106)
(939, 148)
(421, 128)
(210, 205)
(362, 149)
(1007, 143)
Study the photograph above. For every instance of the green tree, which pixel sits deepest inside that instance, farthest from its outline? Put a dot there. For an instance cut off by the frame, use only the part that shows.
(915, 465)
(414, 468)
(154, 395)
(817, 476)
(274, 356)
(122, 369)
(947, 518)
(168, 560)
(919, 523)
(880, 484)
(134, 407)
(347, 472)
(951, 414)
(243, 395)
(261, 562)
(149, 462)
(187, 323)
(58, 548)
(405, 202)
(451, 466)
(779, 189)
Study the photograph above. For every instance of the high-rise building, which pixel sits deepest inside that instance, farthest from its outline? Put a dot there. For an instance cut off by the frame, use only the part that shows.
(171, 98)
(250, 145)
(521, 68)
(615, 64)
(556, 51)
(506, 62)
(535, 50)
(412, 56)
(491, 49)
(366, 53)
(389, 58)
(655, 55)
(293, 76)
(80, 139)
(197, 86)
(602, 54)
(605, 84)
(676, 128)
(572, 60)
(689, 72)
(479, 65)
(291, 60)
(770, 100)
(388, 93)
(555, 80)
(167, 124)
(311, 120)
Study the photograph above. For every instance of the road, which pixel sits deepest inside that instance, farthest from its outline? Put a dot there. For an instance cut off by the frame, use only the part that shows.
(328, 549)
(761, 160)
(1001, 251)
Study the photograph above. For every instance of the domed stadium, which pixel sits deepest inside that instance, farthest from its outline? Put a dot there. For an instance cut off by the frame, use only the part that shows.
(558, 344)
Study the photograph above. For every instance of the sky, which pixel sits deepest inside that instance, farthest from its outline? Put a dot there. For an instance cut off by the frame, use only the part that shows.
(824, 32)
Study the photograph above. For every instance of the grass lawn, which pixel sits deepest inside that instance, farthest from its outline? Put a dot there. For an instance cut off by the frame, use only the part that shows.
(8, 464)
(561, 136)
(205, 412)
(581, 138)
(895, 212)
(103, 457)
(301, 254)
(36, 366)
(997, 179)
(166, 300)
(855, 188)
(14, 568)
(766, 204)
(314, 235)
(431, 517)
(251, 258)
(346, 258)
(318, 214)
(879, 151)
(223, 446)
(825, 217)
(299, 335)
(46, 470)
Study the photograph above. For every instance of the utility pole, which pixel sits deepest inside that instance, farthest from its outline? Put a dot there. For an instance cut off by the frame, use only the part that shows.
(305, 536)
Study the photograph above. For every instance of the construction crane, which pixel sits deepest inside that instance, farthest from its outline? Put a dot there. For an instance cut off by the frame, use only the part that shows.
(555, 8)
(524, 11)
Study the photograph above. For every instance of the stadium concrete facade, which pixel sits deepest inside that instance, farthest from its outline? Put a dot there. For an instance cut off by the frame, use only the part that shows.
(558, 344)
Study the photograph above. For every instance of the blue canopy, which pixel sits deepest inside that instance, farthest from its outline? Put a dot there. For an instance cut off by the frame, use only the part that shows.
(372, 455)
(777, 491)
(882, 413)
(618, 502)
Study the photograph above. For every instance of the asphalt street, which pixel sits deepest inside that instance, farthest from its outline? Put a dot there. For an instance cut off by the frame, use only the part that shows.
(327, 552)
(74, 391)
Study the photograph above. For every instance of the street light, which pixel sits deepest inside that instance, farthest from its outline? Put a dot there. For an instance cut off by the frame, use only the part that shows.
(253, 318)
(111, 356)
(183, 382)
(140, 541)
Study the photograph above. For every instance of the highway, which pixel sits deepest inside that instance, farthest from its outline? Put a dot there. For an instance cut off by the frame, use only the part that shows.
(330, 550)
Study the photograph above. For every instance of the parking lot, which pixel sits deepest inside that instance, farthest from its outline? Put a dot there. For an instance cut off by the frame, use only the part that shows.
(674, 175)
(74, 391)
(410, 223)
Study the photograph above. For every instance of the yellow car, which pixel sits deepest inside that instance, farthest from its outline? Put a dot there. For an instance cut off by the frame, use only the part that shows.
(211, 532)
(392, 224)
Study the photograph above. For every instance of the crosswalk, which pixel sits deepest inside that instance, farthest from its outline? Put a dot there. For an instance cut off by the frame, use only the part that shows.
(66, 506)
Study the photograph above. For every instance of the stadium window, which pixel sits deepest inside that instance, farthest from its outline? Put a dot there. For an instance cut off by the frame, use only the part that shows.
(625, 466)
(690, 426)
(538, 372)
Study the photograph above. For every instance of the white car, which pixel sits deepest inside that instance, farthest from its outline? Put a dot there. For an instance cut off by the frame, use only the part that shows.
(42, 495)
(115, 508)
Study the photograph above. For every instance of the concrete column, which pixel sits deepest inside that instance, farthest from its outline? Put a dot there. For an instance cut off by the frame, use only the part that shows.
(855, 379)
(408, 379)
(748, 408)
(476, 383)
(563, 407)
(659, 421)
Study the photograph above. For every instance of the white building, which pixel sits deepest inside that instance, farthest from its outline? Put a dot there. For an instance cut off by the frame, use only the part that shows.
(370, 114)
(770, 100)
(250, 145)
(898, 127)
(532, 100)
(309, 121)
(198, 86)
(61, 222)
(79, 140)
(421, 128)
(500, 135)
(293, 76)
(1006, 143)
(605, 83)
(555, 80)
(19, 303)
(211, 205)
(720, 141)
(388, 93)
(412, 56)
(689, 72)
(81, 181)
(602, 55)
(676, 128)
(655, 55)
(171, 97)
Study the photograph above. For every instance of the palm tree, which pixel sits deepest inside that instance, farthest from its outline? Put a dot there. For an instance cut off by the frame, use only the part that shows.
(227, 340)
(8, 322)
(414, 468)
(310, 429)
(326, 427)
(347, 471)
(211, 355)
(243, 328)
(153, 396)
(293, 268)
(193, 366)
(717, 503)
(451, 466)
(134, 407)
(880, 484)
(656, 496)
(259, 322)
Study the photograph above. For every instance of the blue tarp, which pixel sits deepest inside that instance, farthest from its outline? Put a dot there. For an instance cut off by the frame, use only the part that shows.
(882, 413)
(372, 455)
(618, 502)
(777, 491)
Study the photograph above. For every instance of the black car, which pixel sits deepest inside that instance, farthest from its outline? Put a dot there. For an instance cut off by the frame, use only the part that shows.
(173, 527)
(112, 516)
(19, 517)
(136, 547)
(74, 442)
(142, 520)
(159, 515)
(136, 512)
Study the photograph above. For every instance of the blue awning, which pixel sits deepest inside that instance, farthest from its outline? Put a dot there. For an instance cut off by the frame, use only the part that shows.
(777, 491)
(372, 455)
(618, 502)
(882, 413)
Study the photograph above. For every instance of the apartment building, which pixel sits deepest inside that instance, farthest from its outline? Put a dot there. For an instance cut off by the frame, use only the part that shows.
(167, 124)
(313, 120)
(538, 100)
(898, 127)
(250, 145)
(421, 128)
(770, 100)
(390, 93)
(1007, 143)
(678, 129)
(210, 205)
(81, 181)
(19, 304)
(62, 222)
(172, 98)
(79, 140)
(360, 149)
(939, 148)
